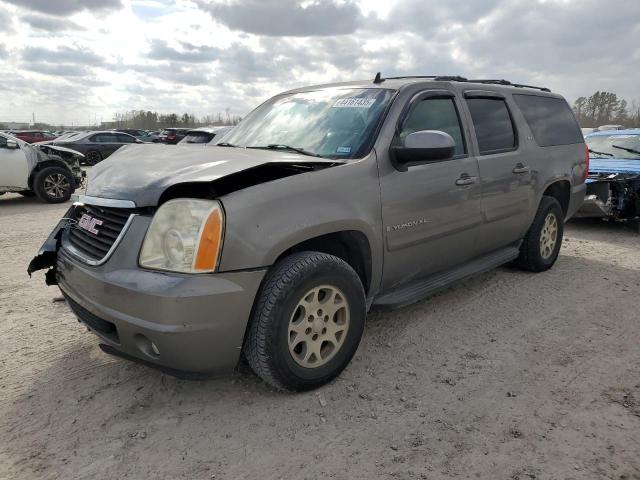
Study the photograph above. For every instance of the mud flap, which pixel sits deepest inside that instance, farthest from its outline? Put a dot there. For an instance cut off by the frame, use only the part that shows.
(48, 253)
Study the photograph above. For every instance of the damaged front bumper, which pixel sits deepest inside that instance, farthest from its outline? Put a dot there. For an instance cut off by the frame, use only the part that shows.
(192, 323)
(48, 253)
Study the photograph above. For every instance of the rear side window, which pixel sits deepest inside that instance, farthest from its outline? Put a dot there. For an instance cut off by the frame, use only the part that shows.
(125, 139)
(493, 125)
(435, 114)
(550, 119)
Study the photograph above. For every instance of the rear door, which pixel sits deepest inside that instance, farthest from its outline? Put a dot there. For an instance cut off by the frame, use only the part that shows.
(507, 186)
(431, 213)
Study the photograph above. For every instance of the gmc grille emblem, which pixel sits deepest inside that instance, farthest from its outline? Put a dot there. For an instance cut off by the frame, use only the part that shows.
(89, 223)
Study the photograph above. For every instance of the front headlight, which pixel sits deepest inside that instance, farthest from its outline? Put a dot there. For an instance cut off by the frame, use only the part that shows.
(185, 235)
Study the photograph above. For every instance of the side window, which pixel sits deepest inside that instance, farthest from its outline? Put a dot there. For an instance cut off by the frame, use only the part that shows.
(125, 139)
(3, 142)
(108, 138)
(435, 114)
(551, 120)
(97, 138)
(492, 123)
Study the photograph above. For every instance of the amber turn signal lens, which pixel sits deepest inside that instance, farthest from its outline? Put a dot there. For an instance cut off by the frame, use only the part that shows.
(210, 243)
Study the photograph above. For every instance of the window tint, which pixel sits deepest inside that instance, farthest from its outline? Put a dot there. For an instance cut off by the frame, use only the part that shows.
(550, 119)
(96, 138)
(3, 142)
(435, 114)
(492, 123)
(125, 139)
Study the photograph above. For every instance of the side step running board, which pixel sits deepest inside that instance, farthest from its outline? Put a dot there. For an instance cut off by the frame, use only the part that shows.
(416, 291)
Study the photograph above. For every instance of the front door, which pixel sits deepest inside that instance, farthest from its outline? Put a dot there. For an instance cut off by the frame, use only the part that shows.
(431, 212)
(14, 167)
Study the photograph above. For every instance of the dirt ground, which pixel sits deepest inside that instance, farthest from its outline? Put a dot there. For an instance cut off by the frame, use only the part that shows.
(508, 375)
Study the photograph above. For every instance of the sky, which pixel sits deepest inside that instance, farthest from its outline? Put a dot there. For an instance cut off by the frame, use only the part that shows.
(81, 61)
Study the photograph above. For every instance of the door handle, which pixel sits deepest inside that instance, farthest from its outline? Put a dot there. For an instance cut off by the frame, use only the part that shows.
(520, 169)
(465, 179)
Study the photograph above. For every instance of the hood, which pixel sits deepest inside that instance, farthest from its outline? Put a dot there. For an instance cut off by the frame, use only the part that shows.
(141, 173)
(614, 165)
(59, 149)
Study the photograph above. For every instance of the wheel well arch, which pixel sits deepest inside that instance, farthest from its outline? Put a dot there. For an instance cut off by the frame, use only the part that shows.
(561, 191)
(352, 246)
(51, 162)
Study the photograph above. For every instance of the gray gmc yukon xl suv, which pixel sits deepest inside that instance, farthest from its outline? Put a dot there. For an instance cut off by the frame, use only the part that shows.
(327, 200)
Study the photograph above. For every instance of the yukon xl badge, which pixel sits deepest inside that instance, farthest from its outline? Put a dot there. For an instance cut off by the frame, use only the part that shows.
(409, 224)
(89, 223)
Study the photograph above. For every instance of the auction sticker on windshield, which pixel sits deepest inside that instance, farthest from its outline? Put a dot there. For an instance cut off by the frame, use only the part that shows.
(354, 102)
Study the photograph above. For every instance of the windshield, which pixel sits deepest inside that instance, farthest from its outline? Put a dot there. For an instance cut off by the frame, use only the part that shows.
(333, 122)
(618, 146)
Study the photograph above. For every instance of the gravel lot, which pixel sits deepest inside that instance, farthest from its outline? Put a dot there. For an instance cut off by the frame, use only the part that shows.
(507, 375)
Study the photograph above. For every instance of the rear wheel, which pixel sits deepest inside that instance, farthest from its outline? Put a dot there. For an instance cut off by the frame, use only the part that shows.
(54, 184)
(93, 157)
(307, 321)
(541, 246)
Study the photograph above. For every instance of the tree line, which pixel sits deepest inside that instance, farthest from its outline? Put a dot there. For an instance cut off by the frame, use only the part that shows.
(149, 120)
(606, 108)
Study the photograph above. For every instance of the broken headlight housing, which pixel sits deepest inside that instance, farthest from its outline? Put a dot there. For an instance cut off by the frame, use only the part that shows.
(185, 236)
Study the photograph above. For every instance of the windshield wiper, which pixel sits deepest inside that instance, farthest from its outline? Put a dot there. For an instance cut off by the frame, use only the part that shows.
(277, 146)
(600, 153)
(630, 150)
(224, 144)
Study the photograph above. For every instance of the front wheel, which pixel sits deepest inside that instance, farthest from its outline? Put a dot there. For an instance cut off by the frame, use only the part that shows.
(54, 184)
(541, 246)
(307, 321)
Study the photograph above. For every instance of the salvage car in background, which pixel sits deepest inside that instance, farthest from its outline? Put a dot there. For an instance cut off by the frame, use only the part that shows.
(32, 136)
(172, 136)
(613, 186)
(204, 135)
(51, 173)
(96, 146)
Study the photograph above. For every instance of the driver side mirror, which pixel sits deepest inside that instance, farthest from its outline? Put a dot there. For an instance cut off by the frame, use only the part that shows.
(423, 146)
(12, 144)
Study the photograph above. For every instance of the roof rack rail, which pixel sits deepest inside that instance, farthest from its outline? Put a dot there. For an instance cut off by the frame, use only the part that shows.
(458, 78)
(508, 83)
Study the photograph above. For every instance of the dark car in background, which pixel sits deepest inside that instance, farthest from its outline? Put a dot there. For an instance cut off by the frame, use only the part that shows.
(32, 136)
(143, 135)
(204, 135)
(171, 136)
(96, 146)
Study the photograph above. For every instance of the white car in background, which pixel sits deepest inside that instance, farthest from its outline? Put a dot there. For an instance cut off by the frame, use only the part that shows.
(49, 172)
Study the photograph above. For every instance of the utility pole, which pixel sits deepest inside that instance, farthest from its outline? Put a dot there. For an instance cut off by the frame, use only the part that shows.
(33, 117)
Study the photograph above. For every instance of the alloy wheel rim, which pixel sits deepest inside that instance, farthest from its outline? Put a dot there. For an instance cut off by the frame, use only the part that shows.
(318, 326)
(56, 185)
(549, 236)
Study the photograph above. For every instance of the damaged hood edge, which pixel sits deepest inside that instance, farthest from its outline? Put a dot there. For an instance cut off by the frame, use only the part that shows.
(141, 173)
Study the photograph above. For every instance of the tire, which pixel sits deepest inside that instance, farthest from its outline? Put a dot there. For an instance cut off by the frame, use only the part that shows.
(27, 193)
(540, 249)
(93, 157)
(287, 360)
(54, 184)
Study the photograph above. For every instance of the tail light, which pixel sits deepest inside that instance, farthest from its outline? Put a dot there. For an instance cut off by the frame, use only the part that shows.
(172, 136)
(585, 174)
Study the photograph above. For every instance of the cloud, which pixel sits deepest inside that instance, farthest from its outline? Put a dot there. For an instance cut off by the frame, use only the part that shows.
(160, 50)
(63, 54)
(49, 23)
(287, 17)
(67, 7)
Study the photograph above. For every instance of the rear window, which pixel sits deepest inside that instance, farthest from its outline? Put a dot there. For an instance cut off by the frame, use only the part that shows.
(550, 119)
(492, 123)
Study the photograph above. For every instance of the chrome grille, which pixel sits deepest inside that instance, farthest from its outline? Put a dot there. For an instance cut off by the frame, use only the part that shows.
(95, 245)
